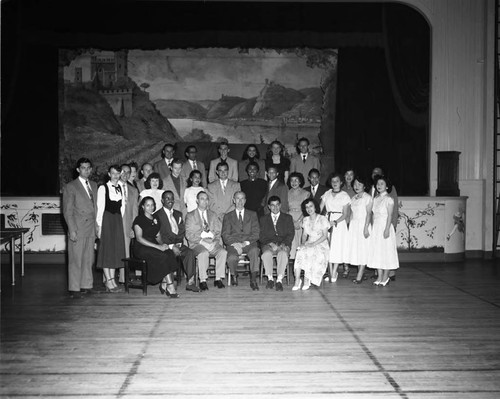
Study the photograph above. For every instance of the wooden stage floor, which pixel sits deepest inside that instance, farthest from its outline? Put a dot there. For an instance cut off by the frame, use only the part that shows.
(433, 333)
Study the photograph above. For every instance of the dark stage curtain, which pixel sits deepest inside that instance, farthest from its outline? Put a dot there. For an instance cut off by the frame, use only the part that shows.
(370, 130)
(406, 44)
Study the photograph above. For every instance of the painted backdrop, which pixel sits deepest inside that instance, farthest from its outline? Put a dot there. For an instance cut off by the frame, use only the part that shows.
(119, 106)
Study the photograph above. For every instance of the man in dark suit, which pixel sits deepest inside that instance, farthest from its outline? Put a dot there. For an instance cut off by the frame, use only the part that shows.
(129, 210)
(193, 164)
(164, 165)
(240, 233)
(276, 235)
(275, 188)
(203, 229)
(175, 183)
(79, 210)
(316, 189)
(172, 231)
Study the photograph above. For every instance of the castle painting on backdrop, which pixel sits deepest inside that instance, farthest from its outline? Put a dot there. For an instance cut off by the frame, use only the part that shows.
(117, 106)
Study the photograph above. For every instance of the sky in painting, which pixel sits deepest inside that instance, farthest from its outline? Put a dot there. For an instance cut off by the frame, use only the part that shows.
(207, 74)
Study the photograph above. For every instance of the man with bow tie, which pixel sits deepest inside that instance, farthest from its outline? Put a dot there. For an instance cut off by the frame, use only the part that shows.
(172, 231)
(276, 236)
(79, 210)
(203, 233)
(240, 233)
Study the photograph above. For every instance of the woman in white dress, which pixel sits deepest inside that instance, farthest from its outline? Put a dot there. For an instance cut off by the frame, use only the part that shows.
(383, 254)
(336, 203)
(194, 187)
(153, 188)
(359, 228)
(312, 255)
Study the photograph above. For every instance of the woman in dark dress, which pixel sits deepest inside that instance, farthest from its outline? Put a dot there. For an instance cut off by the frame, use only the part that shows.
(276, 158)
(110, 228)
(161, 260)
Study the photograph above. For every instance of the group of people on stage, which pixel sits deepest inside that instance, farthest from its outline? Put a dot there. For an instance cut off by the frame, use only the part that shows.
(180, 215)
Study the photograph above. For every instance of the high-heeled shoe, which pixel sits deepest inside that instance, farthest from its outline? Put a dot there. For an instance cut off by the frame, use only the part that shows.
(376, 282)
(169, 294)
(334, 277)
(162, 290)
(296, 287)
(356, 281)
(384, 283)
(111, 289)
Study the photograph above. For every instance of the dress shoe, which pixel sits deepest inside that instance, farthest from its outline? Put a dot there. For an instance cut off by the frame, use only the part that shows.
(203, 286)
(392, 278)
(234, 280)
(270, 284)
(192, 287)
(85, 291)
(254, 286)
(279, 286)
(384, 283)
(219, 284)
(171, 295)
(75, 294)
(297, 285)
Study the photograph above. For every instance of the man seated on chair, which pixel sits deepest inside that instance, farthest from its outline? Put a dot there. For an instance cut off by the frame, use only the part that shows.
(172, 230)
(203, 229)
(240, 233)
(276, 235)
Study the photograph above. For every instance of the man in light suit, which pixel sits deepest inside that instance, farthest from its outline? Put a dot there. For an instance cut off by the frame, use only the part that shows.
(175, 183)
(276, 235)
(130, 207)
(193, 164)
(275, 188)
(221, 192)
(146, 170)
(172, 231)
(317, 190)
(240, 233)
(79, 210)
(203, 232)
(164, 165)
(232, 164)
(304, 161)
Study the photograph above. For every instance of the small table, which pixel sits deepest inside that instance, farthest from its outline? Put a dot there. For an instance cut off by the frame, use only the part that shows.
(13, 234)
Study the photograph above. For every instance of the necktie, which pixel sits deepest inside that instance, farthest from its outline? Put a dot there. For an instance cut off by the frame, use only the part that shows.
(205, 223)
(304, 158)
(195, 166)
(223, 187)
(275, 219)
(125, 193)
(173, 224)
(89, 190)
(240, 218)
(118, 190)
(313, 191)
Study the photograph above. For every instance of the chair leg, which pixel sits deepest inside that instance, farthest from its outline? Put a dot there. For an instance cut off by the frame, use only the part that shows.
(127, 276)
(144, 282)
